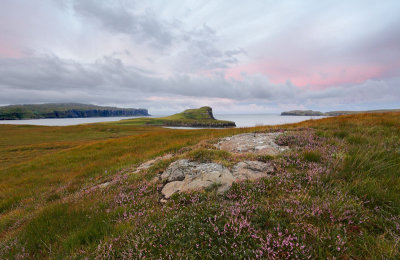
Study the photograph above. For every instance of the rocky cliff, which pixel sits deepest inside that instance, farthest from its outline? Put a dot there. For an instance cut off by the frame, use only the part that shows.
(69, 110)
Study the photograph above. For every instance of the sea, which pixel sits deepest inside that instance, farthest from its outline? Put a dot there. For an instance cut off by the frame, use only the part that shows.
(241, 120)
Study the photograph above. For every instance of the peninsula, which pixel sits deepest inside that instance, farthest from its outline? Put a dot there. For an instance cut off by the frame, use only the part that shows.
(65, 110)
(201, 117)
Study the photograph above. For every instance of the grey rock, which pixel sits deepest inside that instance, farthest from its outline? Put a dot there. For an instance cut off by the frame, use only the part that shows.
(184, 175)
(171, 188)
(258, 143)
(177, 171)
(251, 170)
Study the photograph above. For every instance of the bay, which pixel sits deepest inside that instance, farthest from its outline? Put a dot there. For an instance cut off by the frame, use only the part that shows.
(241, 120)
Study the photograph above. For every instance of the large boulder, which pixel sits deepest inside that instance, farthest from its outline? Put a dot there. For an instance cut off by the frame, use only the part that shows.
(184, 175)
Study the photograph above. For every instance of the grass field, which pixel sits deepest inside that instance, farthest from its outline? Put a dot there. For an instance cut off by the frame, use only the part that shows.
(335, 193)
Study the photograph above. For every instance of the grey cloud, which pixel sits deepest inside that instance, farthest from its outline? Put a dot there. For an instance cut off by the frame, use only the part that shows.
(202, 54)
(116, 18)
(196, 48)
(109, 81)
(110, 74)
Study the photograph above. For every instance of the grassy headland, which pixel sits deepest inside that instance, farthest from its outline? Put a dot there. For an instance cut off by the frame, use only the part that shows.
(201, 117)
(335, 193)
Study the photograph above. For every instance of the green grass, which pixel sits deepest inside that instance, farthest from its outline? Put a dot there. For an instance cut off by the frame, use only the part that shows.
(312, 156)
(335, 194)
(205, 155)
(201, 117)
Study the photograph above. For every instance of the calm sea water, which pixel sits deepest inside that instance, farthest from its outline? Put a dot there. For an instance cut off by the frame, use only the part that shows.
(240, 120)
(264, 119)
(65, 121)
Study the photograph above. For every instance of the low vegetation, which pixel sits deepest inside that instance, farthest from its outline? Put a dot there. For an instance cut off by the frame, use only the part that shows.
(335, 193)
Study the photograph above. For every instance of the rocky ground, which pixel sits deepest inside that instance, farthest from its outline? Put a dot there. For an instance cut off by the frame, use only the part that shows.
(184, 175)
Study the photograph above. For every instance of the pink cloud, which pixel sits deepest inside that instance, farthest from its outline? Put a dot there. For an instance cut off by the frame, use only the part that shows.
(9, 52)
(316, 77)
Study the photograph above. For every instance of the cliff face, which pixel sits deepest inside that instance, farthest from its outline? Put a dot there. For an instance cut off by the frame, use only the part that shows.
(75, 113)
(65, 111)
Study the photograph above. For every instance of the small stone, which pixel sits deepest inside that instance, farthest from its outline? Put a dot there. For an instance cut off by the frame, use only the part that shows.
(104, 185)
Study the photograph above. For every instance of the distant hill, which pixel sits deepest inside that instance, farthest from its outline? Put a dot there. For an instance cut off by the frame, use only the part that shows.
(332, 113)
(65, 110)
(302, 113)
(200, 117)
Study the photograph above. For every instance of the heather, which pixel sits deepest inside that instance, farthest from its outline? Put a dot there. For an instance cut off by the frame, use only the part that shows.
(334, 194)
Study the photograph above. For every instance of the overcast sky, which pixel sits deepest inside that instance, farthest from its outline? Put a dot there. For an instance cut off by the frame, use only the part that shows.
(236, 56)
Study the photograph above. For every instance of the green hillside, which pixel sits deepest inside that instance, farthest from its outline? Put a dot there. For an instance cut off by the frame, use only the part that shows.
(201, 117)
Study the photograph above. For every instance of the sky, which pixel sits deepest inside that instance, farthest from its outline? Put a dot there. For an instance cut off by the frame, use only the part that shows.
(237, 56)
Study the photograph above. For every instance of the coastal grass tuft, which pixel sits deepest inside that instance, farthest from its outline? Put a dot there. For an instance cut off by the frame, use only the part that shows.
(312, 156)
(207, 155)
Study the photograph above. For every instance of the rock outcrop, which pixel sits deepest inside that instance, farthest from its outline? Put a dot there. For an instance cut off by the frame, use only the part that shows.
(258, 143)
(184, 175)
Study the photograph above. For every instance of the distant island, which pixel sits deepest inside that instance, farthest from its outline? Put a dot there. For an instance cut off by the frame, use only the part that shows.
(65, 110)
(200, 117)
(332, 113)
